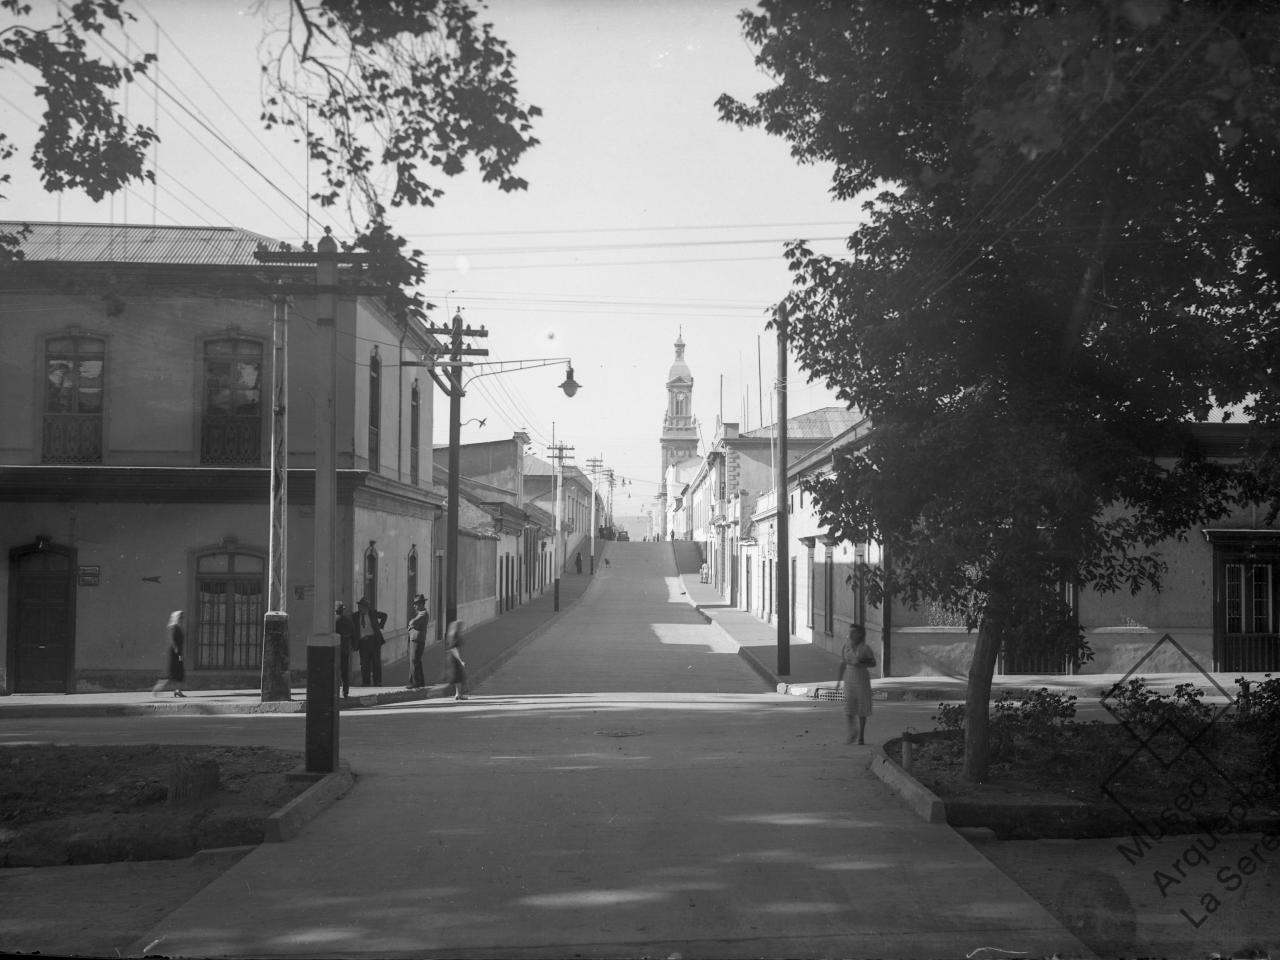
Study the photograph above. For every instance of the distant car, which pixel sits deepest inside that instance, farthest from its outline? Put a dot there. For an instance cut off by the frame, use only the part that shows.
(623, 535)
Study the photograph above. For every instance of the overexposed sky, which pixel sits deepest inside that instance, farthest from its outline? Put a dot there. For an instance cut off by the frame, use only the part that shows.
(644, 216)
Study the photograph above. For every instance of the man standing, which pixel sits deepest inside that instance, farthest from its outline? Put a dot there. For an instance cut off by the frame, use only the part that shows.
(369, 624)
(417, 642)
(346, 637)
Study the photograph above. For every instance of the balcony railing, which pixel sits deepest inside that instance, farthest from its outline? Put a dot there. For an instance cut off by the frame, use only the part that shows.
(227, 440)
(72, 438)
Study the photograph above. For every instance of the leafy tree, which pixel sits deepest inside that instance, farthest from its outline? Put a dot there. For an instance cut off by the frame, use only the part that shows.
(1070, 254)
(83, 141)
(381, 92)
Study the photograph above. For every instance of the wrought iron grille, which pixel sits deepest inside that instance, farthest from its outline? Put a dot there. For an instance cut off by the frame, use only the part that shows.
(231, 440)
(72, 438)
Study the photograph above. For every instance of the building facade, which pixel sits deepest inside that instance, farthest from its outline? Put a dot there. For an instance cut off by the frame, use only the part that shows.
(137, 381)
(1218, 599)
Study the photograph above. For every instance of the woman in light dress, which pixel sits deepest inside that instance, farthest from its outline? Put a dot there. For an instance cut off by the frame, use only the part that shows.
(856, 660)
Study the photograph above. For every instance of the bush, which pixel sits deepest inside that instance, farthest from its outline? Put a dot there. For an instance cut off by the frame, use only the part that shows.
(1258, 714)
(1145, 710)
(950, 716)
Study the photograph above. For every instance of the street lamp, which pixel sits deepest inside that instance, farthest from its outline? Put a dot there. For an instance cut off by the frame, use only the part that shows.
(457, 390)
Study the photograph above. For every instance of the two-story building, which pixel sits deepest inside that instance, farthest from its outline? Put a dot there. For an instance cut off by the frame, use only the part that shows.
(137, 382)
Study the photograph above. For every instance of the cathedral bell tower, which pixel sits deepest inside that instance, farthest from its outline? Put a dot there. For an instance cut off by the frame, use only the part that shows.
(679, 432)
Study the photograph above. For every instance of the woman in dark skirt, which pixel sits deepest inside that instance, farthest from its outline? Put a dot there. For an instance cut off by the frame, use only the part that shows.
(175, 672)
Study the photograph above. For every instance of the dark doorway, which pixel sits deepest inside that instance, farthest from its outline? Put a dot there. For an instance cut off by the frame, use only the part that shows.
(42, 618)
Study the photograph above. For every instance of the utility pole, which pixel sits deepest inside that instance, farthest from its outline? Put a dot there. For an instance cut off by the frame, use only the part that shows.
(456, 331)
(321, 749)
(780, 482)
(274, 683)
(558, 452)
(593, 467)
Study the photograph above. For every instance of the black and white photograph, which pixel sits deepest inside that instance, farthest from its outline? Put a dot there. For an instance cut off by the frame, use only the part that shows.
(640, 479)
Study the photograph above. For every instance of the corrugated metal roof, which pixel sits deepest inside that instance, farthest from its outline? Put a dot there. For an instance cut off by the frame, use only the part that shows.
(132, 243)
(820, 424)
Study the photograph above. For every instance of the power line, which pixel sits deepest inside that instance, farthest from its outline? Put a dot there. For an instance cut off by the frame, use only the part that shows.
(222, 139)
(231, 110)
(652, 245)
(627, 229)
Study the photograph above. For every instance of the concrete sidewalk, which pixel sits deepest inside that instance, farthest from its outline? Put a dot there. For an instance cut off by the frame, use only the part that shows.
(813, 670)
(487, 646)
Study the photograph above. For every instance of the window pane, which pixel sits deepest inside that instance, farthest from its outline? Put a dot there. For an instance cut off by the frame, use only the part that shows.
(248, 563)
(60, 382)
(248, 388)
(90, 386)
(1234, 574)
(214, 563)
(1261, 600)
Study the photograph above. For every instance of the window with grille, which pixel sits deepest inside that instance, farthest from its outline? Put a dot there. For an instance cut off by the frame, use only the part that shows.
(1249, 598)
(231, 431)
(73, 399)
(375, 410)
(230, 592)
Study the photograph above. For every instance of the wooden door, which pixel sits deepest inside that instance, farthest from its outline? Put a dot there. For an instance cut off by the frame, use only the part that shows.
(42, 618)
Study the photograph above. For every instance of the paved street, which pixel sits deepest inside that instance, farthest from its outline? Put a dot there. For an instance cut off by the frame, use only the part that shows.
(620, 787)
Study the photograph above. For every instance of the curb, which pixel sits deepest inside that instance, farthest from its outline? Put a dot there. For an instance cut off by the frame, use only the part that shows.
(286, 822)
(927, 805)
(764, 673)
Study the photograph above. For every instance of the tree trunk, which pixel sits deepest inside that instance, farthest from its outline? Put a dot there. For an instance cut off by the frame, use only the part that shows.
(977, 734)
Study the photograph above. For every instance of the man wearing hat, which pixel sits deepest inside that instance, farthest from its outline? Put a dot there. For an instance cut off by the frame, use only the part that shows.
(418, 621)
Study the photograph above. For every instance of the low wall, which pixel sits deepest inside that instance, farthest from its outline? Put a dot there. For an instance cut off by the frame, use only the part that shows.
(948, 651)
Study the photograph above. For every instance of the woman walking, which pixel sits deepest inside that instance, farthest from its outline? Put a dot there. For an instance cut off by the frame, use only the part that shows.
(455, 666)
(857, 658)
(175, 673)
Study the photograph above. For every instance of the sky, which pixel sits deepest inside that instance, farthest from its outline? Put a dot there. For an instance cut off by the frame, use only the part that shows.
(646, 218)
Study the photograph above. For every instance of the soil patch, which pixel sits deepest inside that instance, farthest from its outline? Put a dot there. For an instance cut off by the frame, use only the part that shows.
(101, 804)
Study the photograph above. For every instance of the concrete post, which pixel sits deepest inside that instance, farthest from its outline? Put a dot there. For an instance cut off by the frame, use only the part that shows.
(322, 645)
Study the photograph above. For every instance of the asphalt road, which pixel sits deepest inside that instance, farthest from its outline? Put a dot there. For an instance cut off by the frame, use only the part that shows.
(621, 787)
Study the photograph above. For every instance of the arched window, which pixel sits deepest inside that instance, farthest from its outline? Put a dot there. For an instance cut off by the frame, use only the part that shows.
(375, 409)
(73, 394)
(230, 592)
(371, 576)
(415, 427)
(411, 584)
(231, 431)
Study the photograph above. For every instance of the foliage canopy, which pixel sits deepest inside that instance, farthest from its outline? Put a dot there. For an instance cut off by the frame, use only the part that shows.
(381, 93)
(1070, 255)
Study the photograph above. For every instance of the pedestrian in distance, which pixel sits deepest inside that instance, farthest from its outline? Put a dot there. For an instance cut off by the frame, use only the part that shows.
(175, 672)
(702, 572)
(857, 658)
(369, 624)
(455, 668)
(577, 562)
(417, 642)
(346, 632)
